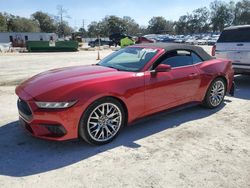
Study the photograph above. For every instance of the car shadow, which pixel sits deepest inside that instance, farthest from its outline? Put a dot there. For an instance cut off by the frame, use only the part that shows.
(242, 89)
(22, 155)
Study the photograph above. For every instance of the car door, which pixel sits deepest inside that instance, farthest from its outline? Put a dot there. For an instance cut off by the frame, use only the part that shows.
(178, 86)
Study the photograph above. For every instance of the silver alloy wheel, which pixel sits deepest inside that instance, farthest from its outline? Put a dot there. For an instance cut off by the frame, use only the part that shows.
(104, 122)
(217, 93)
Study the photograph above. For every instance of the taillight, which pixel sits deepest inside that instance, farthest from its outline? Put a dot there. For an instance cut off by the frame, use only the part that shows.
(213, 50)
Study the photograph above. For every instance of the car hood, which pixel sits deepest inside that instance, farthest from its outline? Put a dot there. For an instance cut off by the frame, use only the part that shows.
(54, 83)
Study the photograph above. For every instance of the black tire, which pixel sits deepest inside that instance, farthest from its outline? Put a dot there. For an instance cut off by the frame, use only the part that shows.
(208, 100)
(85, 126)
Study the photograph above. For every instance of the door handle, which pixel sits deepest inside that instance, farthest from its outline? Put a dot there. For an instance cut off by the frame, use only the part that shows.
(192, 75)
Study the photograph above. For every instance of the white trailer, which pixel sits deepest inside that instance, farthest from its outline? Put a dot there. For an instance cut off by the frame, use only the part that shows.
(18, 39)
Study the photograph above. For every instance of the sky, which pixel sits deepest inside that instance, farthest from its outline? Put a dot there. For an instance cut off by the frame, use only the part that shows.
(94, 10)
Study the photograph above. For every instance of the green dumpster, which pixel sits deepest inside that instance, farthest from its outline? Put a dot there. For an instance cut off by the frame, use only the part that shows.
(52, 46)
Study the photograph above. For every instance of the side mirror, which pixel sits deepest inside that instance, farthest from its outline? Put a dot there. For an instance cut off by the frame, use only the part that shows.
(162, 68)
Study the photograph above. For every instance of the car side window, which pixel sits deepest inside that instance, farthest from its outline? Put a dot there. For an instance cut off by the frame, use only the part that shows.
(178, 58)
(195, 58)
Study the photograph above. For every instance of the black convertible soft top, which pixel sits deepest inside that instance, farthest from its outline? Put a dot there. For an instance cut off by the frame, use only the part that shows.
(174, 46)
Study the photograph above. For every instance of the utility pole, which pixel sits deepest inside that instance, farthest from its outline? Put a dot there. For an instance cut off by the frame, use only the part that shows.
(61, 14)
(83, 23)
(83, 29)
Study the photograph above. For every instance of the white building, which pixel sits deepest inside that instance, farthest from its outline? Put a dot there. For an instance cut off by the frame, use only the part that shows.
(19, 38)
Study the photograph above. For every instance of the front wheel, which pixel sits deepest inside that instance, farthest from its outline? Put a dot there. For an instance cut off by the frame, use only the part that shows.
(102, 121)
(215, 93)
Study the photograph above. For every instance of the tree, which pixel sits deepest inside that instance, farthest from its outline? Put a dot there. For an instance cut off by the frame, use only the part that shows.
(170, 27)
(3, 23)
(93, 29)
(157, 25)
(82, 32)
(112, 24)
(201, 20)
(20, 24)
(197, 22)
(181, 26)
(25, 25)
(46, 23)
(131, 27)
(143, 30)
(242, 13)
(222, 15)
(63, 27)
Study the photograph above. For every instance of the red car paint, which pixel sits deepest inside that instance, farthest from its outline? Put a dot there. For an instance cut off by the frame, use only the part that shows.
(140, 92)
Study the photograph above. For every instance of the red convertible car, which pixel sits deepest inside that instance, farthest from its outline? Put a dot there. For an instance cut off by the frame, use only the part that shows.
(94, 102)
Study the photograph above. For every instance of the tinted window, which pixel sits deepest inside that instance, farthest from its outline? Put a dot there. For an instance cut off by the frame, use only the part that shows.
(195, 58)
(178, 59)
(235, 35)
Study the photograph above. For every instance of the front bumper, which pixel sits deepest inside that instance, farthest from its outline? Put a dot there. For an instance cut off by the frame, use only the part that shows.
(51, 131)
(49, 124)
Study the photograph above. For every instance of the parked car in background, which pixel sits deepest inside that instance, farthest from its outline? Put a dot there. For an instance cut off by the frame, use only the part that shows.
(234, 44)
(94, 102)
(144, 40)
(116, 38)
(212, 40)
(101, 43)
(192, 40)
(152, 36)
(166, 39)
(160, 37)
(203, 40)
(179, 39)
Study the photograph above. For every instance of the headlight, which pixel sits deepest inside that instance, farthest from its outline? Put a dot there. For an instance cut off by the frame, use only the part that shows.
(55, 105)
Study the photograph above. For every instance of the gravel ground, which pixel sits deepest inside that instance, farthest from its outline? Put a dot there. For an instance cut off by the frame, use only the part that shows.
(192, 147)
(19, 66)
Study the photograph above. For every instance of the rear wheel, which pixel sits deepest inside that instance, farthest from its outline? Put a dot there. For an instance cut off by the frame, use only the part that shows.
(102, 121)
(215, 94)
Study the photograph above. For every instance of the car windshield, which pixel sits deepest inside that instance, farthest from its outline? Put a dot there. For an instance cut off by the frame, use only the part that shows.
(129, 59)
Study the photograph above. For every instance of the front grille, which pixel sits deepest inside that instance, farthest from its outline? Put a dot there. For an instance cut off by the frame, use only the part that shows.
(55, 130)
(24, 109)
